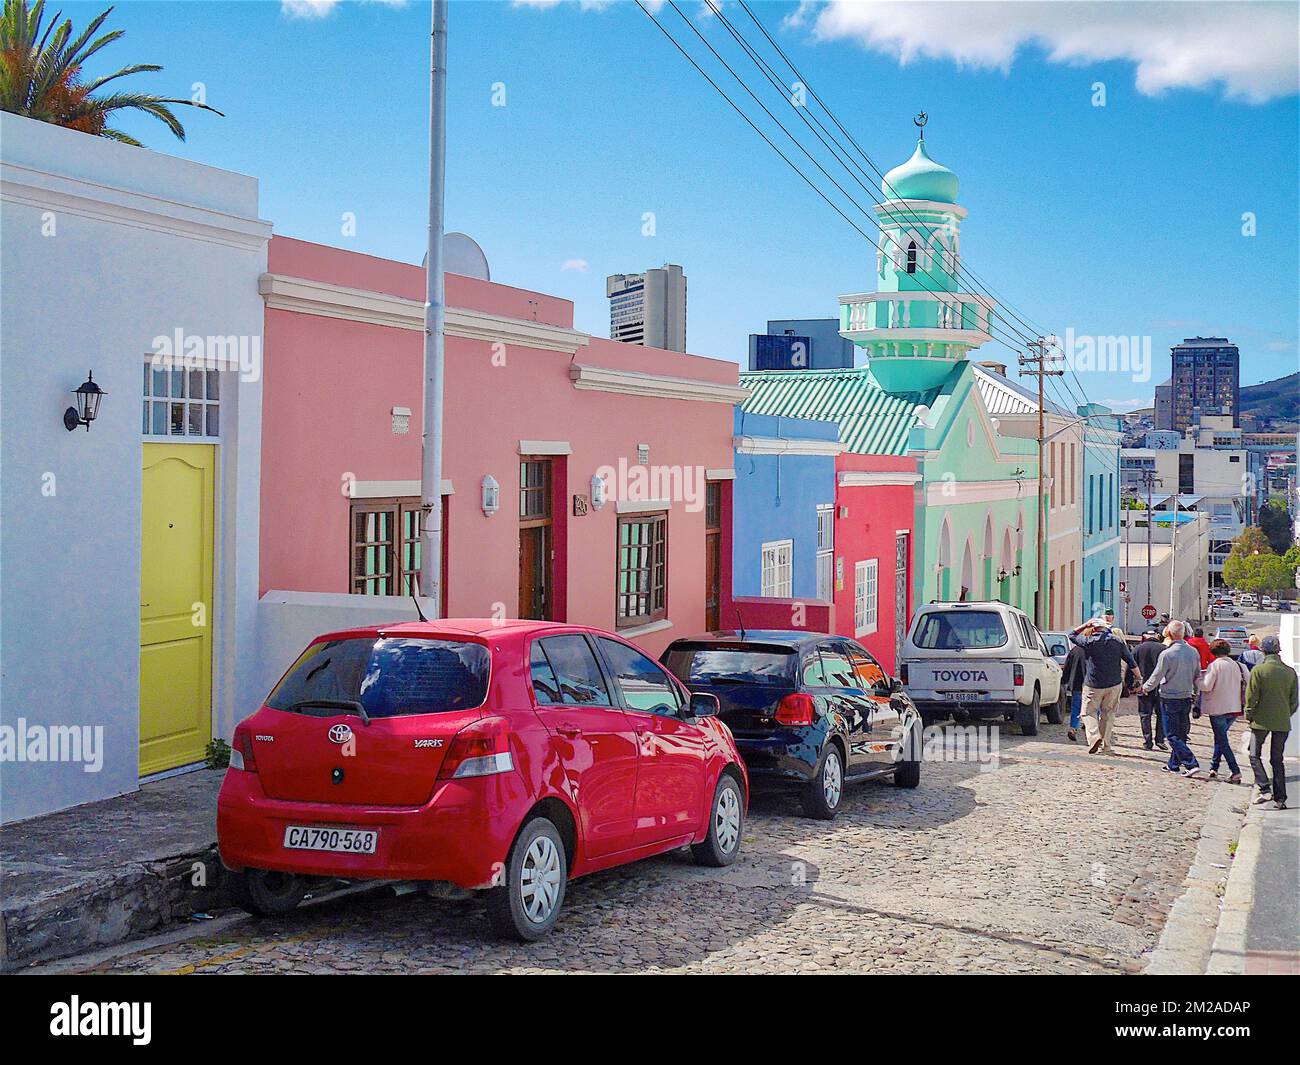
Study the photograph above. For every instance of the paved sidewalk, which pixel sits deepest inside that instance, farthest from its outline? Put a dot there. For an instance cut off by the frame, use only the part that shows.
(100, 873)
(1259, 931)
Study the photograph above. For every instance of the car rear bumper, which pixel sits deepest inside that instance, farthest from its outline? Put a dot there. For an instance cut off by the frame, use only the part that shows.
(980, 711)
(462, 835)
(788, 756)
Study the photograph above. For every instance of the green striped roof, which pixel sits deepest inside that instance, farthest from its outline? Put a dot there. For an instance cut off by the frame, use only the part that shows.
(871, 420)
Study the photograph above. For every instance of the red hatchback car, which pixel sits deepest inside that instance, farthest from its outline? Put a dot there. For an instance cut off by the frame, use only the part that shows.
(507, 756)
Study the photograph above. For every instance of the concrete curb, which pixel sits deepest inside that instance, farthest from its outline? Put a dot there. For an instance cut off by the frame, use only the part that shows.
(1187, 941)
(1228, 956)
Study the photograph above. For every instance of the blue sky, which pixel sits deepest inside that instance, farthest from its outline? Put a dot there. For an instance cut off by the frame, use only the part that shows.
(1117, 220)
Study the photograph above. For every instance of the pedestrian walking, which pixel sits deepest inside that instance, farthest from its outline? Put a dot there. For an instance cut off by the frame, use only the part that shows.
(1174, 679)
(1223, 698)
(1105, 655)
(1271, 700)
(1072, 680)
(1147, 653)
(1202, 645)
(1252, 655)
(1110, 621)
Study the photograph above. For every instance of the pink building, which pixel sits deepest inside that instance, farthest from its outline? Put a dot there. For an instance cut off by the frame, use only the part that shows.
(875, 499)
(533, 407)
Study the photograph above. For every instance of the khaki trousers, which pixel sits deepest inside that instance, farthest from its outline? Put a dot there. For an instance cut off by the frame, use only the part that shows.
(1099, 706)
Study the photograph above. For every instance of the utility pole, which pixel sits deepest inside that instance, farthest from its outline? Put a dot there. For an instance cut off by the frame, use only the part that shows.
(1040, 365)
(434, 317)
(1149, 478)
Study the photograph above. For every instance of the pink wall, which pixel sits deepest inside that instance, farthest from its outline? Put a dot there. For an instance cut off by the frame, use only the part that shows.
(330, 386)
(875, 514)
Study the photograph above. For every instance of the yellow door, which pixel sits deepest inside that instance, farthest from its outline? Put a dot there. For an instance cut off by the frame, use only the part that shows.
(176, 620)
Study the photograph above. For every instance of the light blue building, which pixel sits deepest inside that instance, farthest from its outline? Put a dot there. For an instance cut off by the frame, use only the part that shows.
(1103, 434)
(783, 507)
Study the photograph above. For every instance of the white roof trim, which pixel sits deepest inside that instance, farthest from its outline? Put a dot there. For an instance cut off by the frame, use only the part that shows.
(326, 300)
(641, 506)
(658, 386)
(384, 489)
(720, 475)
(545, 447)
(869, 479)
(972, 492)
(782, 445)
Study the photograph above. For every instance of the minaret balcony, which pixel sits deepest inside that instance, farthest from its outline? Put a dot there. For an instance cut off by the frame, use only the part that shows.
(917, 317)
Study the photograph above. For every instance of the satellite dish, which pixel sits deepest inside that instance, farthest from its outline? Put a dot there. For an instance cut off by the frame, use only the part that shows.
(462, 255)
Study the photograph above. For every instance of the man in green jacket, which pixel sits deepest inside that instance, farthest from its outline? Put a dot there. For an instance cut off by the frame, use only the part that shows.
(1271, 700)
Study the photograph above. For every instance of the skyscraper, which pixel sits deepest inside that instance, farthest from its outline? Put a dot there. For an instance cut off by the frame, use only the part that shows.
(648, 308)
(1206, 374)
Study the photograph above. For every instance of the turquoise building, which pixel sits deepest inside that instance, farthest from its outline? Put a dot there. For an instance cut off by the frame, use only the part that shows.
(1103, 434)
(917, 394)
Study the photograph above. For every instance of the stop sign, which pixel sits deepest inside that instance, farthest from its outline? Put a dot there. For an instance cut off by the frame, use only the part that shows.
(1148, 611)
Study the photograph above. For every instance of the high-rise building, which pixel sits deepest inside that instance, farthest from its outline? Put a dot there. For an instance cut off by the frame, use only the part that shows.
(800, 344)
(1206, 375)
(648, 308)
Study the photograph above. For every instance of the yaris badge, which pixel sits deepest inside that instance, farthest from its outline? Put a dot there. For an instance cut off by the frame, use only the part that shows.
(340, 733)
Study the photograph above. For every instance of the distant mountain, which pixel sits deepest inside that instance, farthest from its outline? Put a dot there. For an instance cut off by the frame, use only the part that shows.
(1273, 400)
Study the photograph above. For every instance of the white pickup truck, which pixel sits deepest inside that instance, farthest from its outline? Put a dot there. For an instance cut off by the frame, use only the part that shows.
(980, 660)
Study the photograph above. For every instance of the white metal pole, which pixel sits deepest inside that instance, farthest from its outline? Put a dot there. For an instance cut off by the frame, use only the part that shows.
(434, 314)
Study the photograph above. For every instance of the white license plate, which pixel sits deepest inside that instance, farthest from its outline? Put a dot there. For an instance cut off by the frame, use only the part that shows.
(965, 697)
(337, 840)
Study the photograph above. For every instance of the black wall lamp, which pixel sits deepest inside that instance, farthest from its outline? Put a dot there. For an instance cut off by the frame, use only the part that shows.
(88, 396)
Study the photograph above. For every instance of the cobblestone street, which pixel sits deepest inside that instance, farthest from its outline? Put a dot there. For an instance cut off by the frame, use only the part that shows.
(1056, 861)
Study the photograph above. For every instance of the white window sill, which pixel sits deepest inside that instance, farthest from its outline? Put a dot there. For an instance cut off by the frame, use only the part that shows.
(869, 630)
(644, 630)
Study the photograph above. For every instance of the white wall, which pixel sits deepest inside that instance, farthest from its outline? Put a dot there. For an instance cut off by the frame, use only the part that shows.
(291, 620)
(105, 247)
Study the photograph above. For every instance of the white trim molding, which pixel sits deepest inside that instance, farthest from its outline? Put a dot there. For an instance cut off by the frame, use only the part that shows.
(641, 506)
(106, 203)
(720, 475)
(657, 386)
(545, 447)
(782, 445)
(644, 630)
(1112, 542)
(871, 479)
(305, 296)
(384, 489)
(952, 493)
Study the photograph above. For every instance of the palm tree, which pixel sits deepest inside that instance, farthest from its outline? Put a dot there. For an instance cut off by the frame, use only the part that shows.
(40, 75)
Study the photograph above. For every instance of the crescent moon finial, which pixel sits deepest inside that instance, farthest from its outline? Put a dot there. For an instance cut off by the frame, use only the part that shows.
(919, 121)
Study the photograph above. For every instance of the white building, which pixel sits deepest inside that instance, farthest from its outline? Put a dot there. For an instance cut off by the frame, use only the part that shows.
(113, 254)
(648, 308)
(1176, 581)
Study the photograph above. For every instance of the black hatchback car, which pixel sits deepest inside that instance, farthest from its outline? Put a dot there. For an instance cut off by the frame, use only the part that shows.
(808, 710)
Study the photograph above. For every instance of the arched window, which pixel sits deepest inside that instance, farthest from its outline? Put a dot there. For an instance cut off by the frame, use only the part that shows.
(911, 257)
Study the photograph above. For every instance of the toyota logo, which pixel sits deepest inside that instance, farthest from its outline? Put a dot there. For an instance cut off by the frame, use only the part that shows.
(340, 733)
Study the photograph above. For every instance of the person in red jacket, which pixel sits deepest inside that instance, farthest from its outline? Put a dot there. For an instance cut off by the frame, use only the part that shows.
(1202, 646)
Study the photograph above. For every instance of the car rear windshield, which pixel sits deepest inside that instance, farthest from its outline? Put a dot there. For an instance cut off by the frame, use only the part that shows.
(389, 677)
(953, 630)
(731, 664)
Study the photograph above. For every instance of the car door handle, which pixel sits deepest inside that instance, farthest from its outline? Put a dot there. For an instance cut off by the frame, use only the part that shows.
(569, 732)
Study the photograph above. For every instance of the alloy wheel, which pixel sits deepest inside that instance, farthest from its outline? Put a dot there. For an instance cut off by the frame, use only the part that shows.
(540, 879)
(726, 819)
(832, 780)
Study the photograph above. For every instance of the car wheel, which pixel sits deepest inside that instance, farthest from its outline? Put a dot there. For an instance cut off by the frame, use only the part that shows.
(1027, 716)
(907, 773)
(726, 825)
(822, 794)
(1057, 711)
(527, 905)
(265, 893)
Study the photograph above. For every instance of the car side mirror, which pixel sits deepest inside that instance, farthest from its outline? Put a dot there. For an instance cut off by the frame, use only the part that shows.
(703, 704)
(895, 685)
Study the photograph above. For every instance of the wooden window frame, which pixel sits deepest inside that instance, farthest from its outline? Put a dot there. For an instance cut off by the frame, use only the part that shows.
(656, 519)
(401, 579)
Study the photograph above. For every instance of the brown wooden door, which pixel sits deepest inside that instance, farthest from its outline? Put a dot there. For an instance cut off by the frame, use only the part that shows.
(534, 584)
(712, 555)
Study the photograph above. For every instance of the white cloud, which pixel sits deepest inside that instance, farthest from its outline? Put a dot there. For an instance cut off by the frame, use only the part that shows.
(311, 9)
(580, 265)
(1248, 48)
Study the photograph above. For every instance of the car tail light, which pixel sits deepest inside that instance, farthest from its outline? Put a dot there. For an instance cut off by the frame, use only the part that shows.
(479, 750)
(902, 674)
(1018, 672)
(795, 709)
(241, 750)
